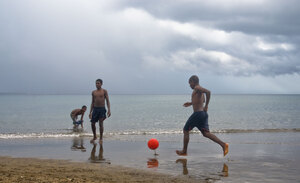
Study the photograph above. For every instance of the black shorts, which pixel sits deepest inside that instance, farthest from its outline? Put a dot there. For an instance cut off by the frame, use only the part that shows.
(98, 113)
(198, 119)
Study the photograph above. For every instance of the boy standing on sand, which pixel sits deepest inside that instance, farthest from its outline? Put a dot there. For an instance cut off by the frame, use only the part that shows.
(75, 113)
(98, 111)
(199, 118)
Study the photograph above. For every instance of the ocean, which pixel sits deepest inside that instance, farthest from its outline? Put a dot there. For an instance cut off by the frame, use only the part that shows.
(41, 116)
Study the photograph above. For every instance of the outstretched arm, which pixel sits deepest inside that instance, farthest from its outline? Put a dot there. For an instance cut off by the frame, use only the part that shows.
(187, 104)
(107, 103)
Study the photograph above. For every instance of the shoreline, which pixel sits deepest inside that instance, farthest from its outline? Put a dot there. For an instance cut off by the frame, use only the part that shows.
(52, 170)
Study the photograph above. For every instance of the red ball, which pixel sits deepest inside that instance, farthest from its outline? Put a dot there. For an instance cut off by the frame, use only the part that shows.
(153, 144)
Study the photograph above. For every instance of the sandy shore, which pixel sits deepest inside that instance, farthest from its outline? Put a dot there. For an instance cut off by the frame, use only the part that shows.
(40, 170)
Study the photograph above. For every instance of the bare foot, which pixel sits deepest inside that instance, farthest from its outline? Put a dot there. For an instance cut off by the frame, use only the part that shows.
(93, 140)
(100, 141)
(226, 149)
(181, 153)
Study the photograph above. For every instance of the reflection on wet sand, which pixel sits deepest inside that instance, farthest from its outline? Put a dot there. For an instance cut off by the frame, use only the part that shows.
(185, 171)
(184, 166)
(78, 144)
(152, 163)
(97, 159)
(77, 130)
(225, 170)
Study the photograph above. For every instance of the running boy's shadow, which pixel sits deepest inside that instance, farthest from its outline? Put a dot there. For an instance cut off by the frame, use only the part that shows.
(184, 166)
(98, 159)
(185, 171)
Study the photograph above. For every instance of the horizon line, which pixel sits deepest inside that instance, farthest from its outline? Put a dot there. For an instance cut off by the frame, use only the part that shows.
(22, 93)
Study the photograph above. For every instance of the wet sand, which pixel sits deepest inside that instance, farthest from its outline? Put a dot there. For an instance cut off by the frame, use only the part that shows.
(37, 170)
(252, 157)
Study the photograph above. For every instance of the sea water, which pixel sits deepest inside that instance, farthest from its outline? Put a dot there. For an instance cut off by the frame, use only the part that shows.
(24, 116)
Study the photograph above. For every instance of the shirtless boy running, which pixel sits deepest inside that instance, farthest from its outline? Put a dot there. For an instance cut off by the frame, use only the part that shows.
(199, 118)
(98, 111)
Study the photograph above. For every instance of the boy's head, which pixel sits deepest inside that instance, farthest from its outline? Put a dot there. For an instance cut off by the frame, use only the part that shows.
(193, 81)
(99, 83)
(83, 108)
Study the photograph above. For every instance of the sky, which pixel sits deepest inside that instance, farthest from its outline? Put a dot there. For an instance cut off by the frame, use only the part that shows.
(149, 47)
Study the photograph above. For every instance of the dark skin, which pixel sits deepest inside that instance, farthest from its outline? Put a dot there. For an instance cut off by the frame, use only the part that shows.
(99, 98)
(77, 112)
(197, 101)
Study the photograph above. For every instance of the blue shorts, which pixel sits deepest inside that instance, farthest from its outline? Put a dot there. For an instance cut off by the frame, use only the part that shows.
(98, 113)
(198, 119)
(79, 122)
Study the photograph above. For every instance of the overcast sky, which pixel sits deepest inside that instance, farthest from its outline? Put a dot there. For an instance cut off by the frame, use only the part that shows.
(149, 47)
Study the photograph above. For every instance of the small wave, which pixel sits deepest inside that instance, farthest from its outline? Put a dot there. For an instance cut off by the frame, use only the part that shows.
(137, 133)
(40, 135)
(196, 131)
(256, 130)
(145, 132)
(72, 133)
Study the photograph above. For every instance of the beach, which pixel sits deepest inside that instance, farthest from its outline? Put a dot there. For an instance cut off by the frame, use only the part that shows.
(86, 85)
(262, 132)
(37, 170)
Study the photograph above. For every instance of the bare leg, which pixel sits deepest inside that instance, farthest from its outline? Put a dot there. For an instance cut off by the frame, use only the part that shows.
(94, 132)
(217, 140)
(186, 139)
(101, 129)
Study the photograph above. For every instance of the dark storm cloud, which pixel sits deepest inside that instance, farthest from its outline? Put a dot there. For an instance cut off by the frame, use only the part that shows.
(250, 16)
(139, 46)
(270, 28)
